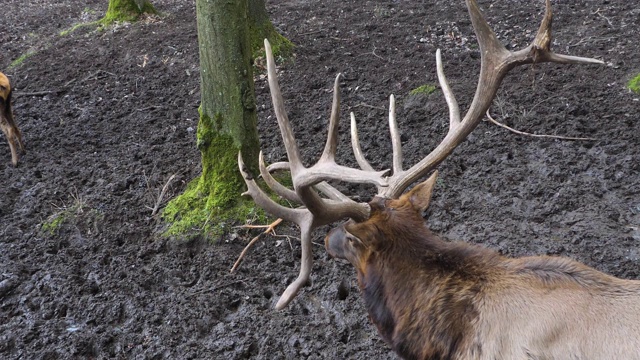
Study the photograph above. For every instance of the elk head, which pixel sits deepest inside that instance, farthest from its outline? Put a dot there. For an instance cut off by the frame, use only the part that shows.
(393, 223)
(7, 123)
(310, 182)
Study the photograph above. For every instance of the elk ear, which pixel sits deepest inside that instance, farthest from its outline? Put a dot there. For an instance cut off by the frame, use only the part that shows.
(420, 195)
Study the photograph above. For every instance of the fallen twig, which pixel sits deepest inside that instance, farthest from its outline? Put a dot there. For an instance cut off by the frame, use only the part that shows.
(370, 106)
(152, 107)
(215, 288)
(537, 135)
(269, 229)
(161, 196)
(39, 93)
(602, 16)
(373, 52)
(311, 32)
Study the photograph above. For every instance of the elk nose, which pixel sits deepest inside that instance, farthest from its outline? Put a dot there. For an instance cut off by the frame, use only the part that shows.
(334, 242)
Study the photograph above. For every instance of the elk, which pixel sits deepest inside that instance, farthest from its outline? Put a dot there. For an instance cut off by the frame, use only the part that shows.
(433, 299)
(7, 123)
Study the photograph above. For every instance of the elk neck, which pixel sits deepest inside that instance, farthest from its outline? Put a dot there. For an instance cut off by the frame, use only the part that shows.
(420, 289)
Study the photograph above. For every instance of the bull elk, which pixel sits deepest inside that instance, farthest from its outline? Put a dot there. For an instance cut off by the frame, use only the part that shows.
(7, 123)
(433, 299)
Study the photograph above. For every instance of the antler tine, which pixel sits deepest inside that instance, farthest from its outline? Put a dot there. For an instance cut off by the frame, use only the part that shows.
(496, 62)
(542, 41)
(289, 140)
(450, 98)
(396, 144)
(280, 165)
(302, 217)
(330, 147)
(355, 144)
(306, 264)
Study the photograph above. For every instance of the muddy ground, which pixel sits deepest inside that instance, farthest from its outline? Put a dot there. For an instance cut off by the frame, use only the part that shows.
(109, 116)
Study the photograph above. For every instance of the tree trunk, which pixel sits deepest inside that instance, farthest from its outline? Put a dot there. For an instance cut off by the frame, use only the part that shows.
(228, 119)
(260, 28)
(228, 110)
(127, 10)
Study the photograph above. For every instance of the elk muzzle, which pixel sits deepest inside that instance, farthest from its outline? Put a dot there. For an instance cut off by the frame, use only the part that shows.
(343, 245)
(335, 242)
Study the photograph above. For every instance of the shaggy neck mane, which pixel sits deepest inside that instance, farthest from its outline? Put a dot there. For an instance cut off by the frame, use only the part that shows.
(412, 260)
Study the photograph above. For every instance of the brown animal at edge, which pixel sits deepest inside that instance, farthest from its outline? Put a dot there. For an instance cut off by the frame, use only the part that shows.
(429, 298)
(7, 123)
(434, 299)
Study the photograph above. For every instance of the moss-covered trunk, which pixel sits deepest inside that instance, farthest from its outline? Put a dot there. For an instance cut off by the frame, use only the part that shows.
(227, 116)
(127, 10)
(260, 28)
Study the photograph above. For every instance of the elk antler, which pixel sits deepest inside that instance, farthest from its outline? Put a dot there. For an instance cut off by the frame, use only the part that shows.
(496, 62)
(319, 211)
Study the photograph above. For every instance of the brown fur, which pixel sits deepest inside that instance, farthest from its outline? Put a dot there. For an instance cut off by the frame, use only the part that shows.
(432, 299)
(7, 123)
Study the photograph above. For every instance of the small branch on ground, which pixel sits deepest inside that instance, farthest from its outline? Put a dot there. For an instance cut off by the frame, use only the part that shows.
(39, 93)
(537, 135)
(269, 229)
(370, 106)
(161, 196)
(210, 290)
(597, 12)
(152, 107)
(311, 32)
(373, 52)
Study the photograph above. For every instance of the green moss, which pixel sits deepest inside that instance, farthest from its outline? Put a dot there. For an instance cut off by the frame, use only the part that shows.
(126, 10)
(424, 89)
(118, 11)
(280, 45)
(21, 59)
(85, 13)
(213, 199)
(634, 84)
(284, 178)
(78, 26)
(188, 214)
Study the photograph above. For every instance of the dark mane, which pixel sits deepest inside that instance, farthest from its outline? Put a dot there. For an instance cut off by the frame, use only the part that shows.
(450, 274)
